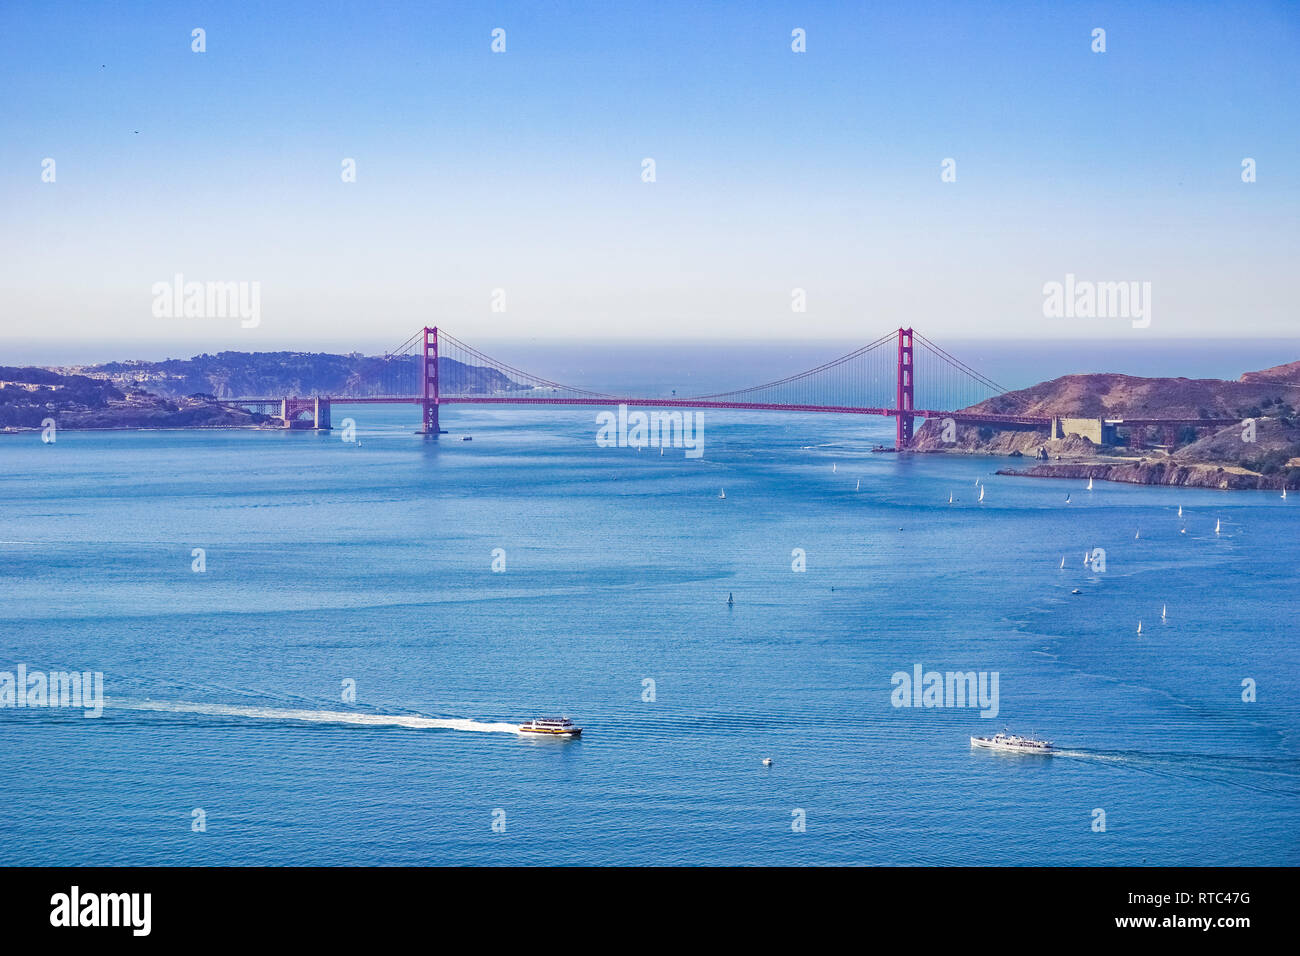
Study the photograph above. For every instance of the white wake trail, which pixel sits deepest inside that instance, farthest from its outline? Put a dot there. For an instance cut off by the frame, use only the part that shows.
(316, 716)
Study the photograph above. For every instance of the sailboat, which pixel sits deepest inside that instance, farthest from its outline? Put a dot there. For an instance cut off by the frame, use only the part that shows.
(661, 451)
(1139, 628)
(834, 467)
(722, 493)
(977, 482)
(1137, 534)
(1067, 499)
(730, 600)
(1086, 555)
(1164, 611)
(1284, 494)
(981, 492)
(1217, 523)
(1180, 511)
(858, 487)
(1062, 562)
(1090, 482)
(950, 497)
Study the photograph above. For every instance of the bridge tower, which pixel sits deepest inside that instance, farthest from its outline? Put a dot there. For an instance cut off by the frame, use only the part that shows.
(429, 378)
(903, 433)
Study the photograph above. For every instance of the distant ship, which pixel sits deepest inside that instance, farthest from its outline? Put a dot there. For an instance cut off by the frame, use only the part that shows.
(551, 727)
(1013, 743)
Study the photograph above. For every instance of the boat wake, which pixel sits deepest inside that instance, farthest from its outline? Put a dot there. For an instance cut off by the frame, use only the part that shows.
(1271, 776)
(413, 721)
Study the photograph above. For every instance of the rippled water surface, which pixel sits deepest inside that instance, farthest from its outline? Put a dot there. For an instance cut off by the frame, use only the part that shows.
(329, 561)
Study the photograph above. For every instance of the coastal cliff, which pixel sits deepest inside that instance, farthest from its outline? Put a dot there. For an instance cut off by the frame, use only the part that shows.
(1261, 449)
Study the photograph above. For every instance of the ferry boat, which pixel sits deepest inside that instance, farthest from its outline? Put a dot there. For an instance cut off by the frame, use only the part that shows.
(1014, 743)
(551, 727)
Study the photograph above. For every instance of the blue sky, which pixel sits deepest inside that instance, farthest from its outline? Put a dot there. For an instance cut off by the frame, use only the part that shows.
(521, 170)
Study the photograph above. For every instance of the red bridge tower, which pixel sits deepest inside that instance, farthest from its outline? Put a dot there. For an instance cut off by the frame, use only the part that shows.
(429, 377)
(903, 434)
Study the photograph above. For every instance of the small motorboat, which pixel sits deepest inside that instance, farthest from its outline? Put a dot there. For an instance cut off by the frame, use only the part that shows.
(551, 727)
(1076, 591)
(767, 761)
(1013, 743)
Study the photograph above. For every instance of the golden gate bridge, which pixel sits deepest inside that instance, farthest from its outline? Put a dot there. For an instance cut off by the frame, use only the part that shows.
(432, 369)
(902, 375)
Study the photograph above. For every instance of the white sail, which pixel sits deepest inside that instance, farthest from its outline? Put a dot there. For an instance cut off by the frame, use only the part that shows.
(722, 493)
(1164, 611)
(1090, 482)
(1062, 562)
(1139, 627)
(834, 467)
(950, 497)
(981, 492)
(1137, 534)
(859, 485)
(1180, 511)
(1216, 525)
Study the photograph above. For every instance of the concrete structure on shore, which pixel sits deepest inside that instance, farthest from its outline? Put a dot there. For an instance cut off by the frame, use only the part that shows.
(1096, 430)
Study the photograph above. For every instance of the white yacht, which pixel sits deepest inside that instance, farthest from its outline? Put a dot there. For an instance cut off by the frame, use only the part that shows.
(1013, 743)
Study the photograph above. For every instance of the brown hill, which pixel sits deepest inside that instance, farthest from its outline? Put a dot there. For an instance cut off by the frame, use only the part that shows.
(1283, 374)
(1110, 395)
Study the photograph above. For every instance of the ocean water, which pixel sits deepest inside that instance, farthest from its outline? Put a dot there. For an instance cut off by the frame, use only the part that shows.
(329, 561)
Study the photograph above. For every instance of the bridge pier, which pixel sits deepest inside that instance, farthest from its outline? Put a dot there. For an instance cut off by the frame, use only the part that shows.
(319, 408)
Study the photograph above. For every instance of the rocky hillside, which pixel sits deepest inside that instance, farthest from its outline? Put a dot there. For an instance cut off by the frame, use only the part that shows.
(29, 396)
(1227, 458)
(1109, 395)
